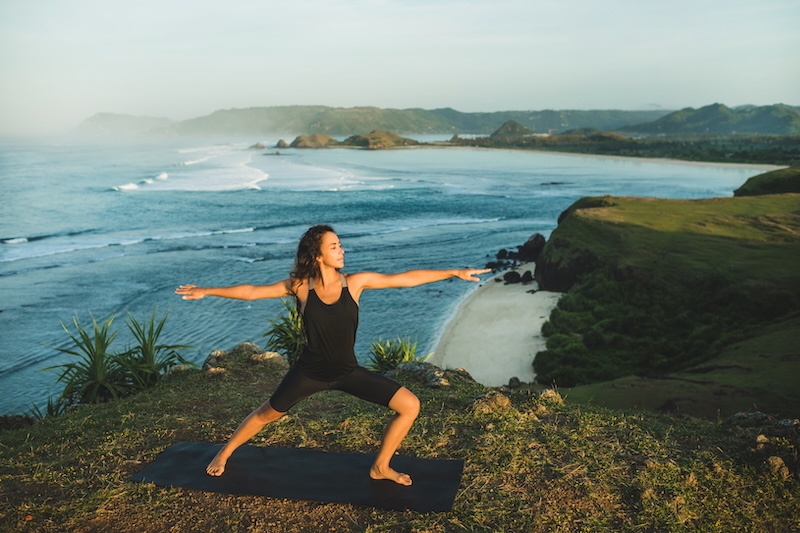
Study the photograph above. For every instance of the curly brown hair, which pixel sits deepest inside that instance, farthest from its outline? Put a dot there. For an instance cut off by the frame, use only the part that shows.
(308, 249)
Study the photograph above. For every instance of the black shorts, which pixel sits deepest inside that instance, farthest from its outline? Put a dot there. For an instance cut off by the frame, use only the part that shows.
(361, 383)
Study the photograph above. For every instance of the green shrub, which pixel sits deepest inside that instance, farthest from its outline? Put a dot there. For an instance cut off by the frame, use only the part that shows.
(96, 376)
(286, 333)
(386, 355)
(149, 361)
(55, 407)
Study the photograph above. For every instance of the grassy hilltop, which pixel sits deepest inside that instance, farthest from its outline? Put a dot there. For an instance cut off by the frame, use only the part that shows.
(532, 462)
(689, 306)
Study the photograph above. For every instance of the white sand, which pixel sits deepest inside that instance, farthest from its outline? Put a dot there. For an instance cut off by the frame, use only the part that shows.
(496, 332)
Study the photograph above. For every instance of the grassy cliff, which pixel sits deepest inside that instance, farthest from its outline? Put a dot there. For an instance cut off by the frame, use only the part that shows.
(687, 306)
(533, 462)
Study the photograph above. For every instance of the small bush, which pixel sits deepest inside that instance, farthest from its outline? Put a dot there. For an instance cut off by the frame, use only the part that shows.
(149, 361)
(286, 333)
(387, 355)
(96, 376)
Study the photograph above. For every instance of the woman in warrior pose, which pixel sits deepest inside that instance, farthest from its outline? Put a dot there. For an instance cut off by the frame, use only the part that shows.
(328, 300)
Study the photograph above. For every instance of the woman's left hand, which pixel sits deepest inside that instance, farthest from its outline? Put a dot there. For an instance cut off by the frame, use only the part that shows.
(470, 274)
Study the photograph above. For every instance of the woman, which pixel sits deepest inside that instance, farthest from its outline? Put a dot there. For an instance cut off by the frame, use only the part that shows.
(328, 301)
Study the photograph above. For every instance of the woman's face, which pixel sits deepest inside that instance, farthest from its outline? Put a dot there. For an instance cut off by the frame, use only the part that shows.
(331, 252)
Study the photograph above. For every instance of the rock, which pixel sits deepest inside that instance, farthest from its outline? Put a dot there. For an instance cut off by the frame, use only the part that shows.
(512, 277)
(215, 372)
(491, 402)
(257, 146)
(213, 359)
(532, 248)
(282, 144)
(180, 368)
(271, 358)
(514, 382)
(463, 374)
(549, 395)
(527, 277)
(789, 423)
(246, 349)
(430, 375)
(778, 468)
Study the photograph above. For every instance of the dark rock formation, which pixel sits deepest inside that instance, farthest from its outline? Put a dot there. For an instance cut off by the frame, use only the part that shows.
(532, 248)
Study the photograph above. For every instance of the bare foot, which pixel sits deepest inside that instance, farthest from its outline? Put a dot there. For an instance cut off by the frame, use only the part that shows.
(217, 465)
(390, 474)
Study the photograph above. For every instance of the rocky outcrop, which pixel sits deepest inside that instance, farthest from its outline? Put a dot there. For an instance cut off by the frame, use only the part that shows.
(315, 140)
(377, 139)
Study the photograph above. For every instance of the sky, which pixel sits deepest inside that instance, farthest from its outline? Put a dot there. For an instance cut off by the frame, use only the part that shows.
(62, 61)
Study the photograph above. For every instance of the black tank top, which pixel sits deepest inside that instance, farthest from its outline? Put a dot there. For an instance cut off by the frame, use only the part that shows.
(331, 334)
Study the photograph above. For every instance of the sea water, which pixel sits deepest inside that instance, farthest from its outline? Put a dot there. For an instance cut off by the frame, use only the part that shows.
(103, 229)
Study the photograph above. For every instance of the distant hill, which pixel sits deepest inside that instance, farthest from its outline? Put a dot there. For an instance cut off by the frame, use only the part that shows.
(338, 121)
(122, 125)
(778, 119)
(512, 128)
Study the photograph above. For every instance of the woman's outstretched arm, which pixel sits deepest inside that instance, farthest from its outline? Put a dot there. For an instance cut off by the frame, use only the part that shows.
(411, 278)
(238, 292)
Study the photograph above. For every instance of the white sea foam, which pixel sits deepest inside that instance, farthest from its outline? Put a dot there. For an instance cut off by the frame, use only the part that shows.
(61, 245)
(148, 181)
(163, 176)
(126, 187)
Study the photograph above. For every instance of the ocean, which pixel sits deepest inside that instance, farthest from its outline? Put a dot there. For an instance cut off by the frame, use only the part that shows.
(105, 228)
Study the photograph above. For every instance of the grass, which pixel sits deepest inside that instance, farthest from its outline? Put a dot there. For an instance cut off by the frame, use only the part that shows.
(541, 465)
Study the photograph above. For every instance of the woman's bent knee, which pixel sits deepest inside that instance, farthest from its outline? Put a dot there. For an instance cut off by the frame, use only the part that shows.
(405, 403)
(267, 414)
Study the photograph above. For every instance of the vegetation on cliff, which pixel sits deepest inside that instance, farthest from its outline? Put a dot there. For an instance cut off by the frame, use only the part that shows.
(776, 182)
(662, 286)
(533, 462)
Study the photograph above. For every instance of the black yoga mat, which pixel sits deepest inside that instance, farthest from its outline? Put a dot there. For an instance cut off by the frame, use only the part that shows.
(303, 474)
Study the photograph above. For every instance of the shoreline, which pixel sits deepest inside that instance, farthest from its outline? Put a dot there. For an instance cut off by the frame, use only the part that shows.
(495, 332)
(664, 160)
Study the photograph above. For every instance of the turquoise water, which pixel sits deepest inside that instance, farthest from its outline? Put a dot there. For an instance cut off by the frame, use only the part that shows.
(101, 229)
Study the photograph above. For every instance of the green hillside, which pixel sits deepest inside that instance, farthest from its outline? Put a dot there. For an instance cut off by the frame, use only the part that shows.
(338, 121)
(776, 119)
(776, 182)
(658, 286)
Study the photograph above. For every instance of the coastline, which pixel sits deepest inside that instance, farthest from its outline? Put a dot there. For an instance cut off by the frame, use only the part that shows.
(665, 160)
(495, 332)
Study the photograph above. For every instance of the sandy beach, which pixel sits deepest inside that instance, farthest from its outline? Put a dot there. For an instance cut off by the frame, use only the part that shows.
(496, 332)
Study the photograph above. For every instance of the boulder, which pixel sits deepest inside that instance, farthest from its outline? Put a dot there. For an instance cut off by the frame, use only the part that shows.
(532, 248)
(492, 402)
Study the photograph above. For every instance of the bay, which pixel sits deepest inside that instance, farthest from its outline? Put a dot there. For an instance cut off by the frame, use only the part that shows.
(102, 229)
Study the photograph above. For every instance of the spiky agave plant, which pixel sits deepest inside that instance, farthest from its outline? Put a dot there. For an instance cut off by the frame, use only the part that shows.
(96, 375)
(149, 361)
(387, 355)
(286, 333)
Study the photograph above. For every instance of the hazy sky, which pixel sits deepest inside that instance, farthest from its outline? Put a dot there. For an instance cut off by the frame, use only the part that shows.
(61, 61)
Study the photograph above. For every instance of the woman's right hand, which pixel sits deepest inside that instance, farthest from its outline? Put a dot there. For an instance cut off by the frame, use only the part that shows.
(190, 292)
